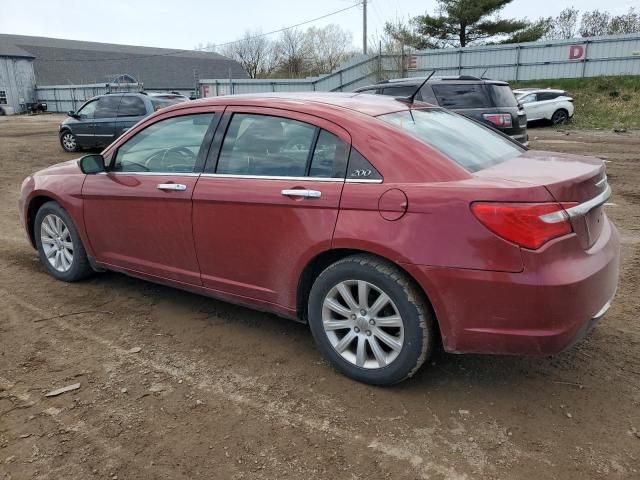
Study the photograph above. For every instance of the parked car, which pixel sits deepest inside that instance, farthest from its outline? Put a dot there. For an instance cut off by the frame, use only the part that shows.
(488, 101)
(104, 118)
(385, 225)
(546, 104)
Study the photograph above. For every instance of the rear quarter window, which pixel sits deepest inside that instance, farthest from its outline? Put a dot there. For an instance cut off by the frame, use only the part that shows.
(461, 95)
(503, 96)
(469, 144)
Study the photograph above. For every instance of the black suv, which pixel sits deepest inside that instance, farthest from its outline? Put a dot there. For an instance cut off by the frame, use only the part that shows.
(104, 118)
(488, 101)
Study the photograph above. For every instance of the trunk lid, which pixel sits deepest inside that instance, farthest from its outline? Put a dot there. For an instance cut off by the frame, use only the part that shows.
(568, 178)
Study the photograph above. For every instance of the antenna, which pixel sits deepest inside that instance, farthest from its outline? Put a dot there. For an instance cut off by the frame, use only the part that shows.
(412, 97)
(485, 71)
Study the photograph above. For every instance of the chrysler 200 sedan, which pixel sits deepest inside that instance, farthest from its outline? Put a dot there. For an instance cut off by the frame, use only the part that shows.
(389, 226)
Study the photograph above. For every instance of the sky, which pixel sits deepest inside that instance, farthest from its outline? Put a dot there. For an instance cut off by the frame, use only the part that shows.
(185, 24)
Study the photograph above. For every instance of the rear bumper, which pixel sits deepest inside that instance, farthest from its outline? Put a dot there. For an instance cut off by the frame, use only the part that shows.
(555, 301)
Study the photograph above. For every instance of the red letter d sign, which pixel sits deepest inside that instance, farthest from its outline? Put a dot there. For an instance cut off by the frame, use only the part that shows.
(576, 52)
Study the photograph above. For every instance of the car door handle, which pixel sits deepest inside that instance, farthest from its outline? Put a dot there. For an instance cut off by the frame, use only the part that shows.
(179, 187)
(302, 193)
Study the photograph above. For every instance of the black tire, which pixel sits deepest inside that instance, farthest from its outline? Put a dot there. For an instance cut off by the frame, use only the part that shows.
(560, 117)
(68, 141)
(409, 301)
(79, 266)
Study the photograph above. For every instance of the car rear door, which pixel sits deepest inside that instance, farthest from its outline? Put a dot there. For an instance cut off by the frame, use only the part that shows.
(138, 214)
(104, 121)
(268, 201)
(131, 110)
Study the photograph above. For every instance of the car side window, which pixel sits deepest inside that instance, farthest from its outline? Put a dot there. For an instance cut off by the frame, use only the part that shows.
(329, 157)
(266, 146)
(88, 110)
(131, 107)
(170, 146)
(107, 106)
(402, 91)
(547, 96)
(528, 98)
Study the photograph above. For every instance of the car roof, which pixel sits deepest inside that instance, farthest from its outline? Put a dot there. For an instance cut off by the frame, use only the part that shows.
(415, 81)
(372, 105)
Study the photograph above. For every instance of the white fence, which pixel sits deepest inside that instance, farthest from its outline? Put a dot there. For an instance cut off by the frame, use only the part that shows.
(581, 57)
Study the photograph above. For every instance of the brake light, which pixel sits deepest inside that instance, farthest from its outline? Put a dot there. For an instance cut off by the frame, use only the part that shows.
(529, 225)
(498, 119)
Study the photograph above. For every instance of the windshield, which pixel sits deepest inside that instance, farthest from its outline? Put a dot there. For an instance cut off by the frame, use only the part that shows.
(469, 144)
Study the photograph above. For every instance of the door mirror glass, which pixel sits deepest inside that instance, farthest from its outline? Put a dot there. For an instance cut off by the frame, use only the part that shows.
(90, 164)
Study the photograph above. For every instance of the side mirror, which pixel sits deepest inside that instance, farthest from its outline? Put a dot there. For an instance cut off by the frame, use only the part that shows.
(91, 164)
(73, 114)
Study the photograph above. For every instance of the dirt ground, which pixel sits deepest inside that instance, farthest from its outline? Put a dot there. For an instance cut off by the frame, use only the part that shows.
(222, 392)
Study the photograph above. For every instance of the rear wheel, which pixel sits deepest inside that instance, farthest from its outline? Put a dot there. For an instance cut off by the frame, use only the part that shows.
(370, 320)
(560, 117)
(69, 141)
(59, 245)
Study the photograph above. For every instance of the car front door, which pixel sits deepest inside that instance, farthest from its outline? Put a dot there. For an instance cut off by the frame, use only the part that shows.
(531, 107)
(267, 202)
(138, 214)
(82, 128)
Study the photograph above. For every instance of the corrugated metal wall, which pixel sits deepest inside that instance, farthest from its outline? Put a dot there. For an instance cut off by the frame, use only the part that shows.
(17, 80)
(581, 57)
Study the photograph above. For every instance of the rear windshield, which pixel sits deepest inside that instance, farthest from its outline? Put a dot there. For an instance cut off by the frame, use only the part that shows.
(464, 95)
(503, 96)
(469, 144)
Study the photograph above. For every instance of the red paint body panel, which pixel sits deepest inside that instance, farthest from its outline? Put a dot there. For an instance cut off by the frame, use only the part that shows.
(253, 241)
(133, 224)
(241, 240)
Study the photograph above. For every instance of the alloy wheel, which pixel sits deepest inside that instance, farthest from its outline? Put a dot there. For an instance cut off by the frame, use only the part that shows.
(363, 324)
(57, 244)
(69, 141)
(560, 117)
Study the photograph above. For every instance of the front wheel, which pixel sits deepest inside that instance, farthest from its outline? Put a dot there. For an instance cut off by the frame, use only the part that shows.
(370, 320)
(59, 245)
(69, 141)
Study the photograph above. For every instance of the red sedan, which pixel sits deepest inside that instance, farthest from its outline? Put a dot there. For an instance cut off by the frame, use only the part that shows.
(387, 225)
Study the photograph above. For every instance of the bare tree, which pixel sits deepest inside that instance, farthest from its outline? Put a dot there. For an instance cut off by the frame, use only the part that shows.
(594, 23)
(626, 23)
(292, 53)
(564, 25)
(328, 47)
(253, 52)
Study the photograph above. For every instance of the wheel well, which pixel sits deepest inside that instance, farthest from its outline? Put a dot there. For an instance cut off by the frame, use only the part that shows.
(322, 261)
(561, 110)
(32, 211)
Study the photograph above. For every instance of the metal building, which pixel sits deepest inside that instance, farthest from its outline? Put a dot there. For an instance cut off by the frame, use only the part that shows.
(17, 78)
(29, 61)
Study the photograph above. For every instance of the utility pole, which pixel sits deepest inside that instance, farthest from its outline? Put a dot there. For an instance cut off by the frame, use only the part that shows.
(364, 26)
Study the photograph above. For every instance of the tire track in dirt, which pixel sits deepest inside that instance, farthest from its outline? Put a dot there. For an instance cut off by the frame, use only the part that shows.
(231, 387)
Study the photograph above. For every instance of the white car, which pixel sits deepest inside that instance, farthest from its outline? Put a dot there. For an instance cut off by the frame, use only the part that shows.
(546, 104)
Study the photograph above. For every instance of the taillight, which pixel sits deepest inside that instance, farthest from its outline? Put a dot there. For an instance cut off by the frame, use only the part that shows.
(498, 119)
(529, 225)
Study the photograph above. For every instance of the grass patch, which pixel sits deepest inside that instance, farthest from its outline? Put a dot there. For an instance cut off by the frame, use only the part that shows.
(600, 102)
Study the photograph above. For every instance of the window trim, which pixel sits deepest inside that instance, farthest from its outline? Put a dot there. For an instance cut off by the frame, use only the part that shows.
(205, 146)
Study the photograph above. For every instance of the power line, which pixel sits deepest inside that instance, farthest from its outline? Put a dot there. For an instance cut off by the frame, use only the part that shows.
(173, 52)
